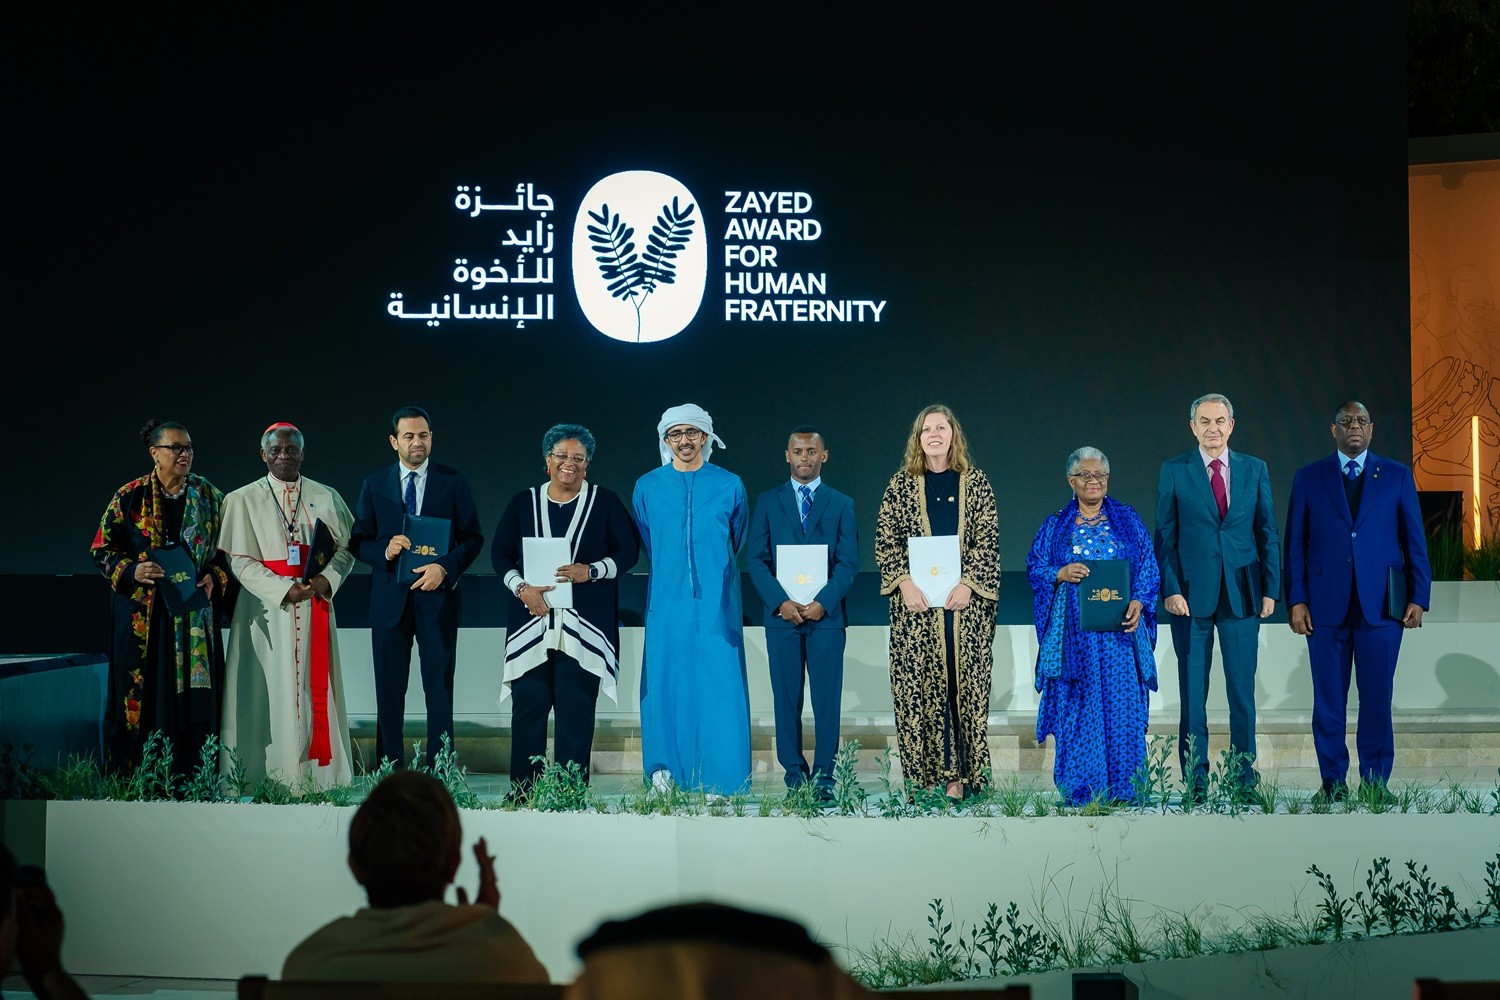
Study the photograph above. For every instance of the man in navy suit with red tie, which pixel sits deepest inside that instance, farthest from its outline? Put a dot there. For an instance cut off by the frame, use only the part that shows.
(424, 606)
(1220, 565)
(1355, 546)
(805, 511)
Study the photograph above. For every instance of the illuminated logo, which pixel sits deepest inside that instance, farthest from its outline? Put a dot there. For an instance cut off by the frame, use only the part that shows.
(1106, 594)
(640, 256)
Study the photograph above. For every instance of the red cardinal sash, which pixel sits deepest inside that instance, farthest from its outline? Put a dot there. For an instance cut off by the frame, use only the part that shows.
(321, 750)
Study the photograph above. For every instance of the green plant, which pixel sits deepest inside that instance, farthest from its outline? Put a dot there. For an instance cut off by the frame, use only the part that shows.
(1181, 935)
(802, 800)
(1334, 910)
(893, 803)
(205, 784)
(1226, 790)
(152, 780)
(81, 779)
(18, 778)
(1445, 551)
(1153, 782)
(560, 788)
(849, 796)
(454, 776)
(1482, 559)
(1107, 931)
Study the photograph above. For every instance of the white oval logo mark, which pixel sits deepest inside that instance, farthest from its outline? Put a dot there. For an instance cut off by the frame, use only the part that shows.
(640, 256)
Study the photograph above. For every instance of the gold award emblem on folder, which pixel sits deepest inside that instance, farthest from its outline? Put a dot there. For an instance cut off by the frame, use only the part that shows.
(936, 571)
(803, 578)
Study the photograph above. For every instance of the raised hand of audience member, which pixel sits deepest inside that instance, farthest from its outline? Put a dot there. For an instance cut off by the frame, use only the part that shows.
(488, 893)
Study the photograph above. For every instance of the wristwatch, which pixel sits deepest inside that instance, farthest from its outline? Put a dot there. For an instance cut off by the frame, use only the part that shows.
(520, 587)
(593, 571)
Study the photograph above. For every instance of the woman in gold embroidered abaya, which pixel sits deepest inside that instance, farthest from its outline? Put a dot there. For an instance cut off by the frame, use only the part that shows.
(941, 656)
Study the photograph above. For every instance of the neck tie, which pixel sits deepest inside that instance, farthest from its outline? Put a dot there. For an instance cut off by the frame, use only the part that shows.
(806, 505)
(411, 493)
(1351, 469)
(1216, 481)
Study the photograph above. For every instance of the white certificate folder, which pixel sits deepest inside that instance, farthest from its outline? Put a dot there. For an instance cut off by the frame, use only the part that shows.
(802, 570)
(540, 558)
(934, 566)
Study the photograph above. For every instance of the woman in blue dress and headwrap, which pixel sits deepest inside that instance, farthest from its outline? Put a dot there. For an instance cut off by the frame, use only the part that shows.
(1093, 684)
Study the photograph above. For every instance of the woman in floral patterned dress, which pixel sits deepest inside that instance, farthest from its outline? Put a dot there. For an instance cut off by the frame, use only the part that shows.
(166, 670)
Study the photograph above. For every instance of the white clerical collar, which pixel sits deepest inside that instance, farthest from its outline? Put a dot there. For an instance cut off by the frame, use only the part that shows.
(284, 485)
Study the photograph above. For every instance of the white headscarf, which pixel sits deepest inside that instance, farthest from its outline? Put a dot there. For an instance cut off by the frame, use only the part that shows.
(694, 416)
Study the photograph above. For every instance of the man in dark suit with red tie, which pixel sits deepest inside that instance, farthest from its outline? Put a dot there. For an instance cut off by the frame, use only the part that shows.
(1357, 574)
(423, 604)
(1220, 565)
(805, 636)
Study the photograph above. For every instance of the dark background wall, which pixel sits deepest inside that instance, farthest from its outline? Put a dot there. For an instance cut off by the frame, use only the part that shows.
(1079, 220)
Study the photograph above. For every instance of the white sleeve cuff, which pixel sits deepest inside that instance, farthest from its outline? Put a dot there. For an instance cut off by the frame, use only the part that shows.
(513, 579)
(606, 568)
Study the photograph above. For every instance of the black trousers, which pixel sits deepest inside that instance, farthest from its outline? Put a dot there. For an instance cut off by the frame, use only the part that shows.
(434, 626)
(564, 689)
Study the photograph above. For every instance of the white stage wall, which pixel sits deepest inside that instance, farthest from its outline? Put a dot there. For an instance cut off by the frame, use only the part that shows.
(1451, 664)
(166, 889)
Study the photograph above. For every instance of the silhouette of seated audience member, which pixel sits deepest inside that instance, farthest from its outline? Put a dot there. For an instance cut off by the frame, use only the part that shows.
(698, 951)
(31, 929)
(404, 847)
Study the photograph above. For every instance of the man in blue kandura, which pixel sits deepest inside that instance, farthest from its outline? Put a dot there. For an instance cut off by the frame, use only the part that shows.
(1093, 684)
(695, 706)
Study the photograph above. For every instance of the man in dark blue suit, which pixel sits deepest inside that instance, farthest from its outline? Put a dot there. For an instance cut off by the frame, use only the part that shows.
(1353, 519)
(811, 635)
(1220, 565)
(423, 606)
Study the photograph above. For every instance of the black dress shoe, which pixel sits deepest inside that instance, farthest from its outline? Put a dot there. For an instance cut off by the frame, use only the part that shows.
(1333, 791)
(824, 795)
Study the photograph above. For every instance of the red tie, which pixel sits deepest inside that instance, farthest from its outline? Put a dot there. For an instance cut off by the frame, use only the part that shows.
(1216, 480)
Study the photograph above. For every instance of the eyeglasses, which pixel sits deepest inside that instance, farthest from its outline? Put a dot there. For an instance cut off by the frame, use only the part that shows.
(1348, 422)
(1090, 477)
(569, 459)
(289, 451)
(684, 434)
(177, 449)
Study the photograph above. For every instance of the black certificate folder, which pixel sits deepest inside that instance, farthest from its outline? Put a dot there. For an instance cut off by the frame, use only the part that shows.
(179, 588)
(429, 541)
(319, 552)
(1103, 595)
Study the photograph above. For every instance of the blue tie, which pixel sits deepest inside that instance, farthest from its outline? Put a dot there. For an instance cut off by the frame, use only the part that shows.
(1351, 470)
(411, 493)
(806, 495)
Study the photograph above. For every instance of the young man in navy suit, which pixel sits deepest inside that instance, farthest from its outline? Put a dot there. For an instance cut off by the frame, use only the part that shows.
(1354, 517)
(424, 605)
(1220, 565)
(811, 636)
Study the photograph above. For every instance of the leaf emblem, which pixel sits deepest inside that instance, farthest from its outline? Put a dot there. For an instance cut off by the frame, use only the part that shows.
(634, 276)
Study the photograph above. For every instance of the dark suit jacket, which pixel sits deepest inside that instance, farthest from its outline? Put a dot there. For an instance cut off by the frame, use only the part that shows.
(1196, 550)
(1327, 548)
(379, 515)
(830, 522)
